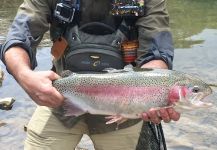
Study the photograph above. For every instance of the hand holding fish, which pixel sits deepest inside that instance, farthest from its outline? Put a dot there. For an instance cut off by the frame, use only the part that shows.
(37, 84)
(165, 114)
(39, 87)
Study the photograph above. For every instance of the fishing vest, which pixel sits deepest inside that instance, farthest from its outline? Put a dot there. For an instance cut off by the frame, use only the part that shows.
(91, 43)
(90, 46)
(93, 40)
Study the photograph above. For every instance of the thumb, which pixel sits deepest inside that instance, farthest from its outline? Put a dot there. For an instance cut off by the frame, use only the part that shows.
(52, 75)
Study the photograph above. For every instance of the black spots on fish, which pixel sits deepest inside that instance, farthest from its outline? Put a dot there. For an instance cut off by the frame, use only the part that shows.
(56, 84)
(66, 73)
(160, 98)
(61, 85)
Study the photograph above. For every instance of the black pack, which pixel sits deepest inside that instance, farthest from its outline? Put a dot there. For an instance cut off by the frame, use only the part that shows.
(91, 52)
(95, 44)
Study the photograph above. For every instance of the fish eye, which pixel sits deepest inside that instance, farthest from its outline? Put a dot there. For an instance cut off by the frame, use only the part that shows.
(195, 89)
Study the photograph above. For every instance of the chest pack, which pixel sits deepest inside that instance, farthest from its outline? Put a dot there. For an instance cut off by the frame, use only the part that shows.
(93, 45)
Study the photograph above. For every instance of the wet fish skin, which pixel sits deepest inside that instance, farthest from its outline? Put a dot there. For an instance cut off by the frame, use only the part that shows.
(130, 92)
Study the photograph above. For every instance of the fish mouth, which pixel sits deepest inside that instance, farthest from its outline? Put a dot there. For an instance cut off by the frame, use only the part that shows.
(191, 102)
(200, 101)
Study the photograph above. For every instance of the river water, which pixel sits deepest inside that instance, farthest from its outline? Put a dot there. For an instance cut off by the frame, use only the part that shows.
(194, 28)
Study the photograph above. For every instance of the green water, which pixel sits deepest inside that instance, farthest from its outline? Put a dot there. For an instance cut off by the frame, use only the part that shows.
(190, 17)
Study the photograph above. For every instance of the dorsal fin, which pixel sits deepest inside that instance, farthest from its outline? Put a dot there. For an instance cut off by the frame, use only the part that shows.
(113, 70)
(128, 67)
(142, 69)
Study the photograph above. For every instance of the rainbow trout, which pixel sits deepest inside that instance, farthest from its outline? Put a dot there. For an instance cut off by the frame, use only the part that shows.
(129, 92)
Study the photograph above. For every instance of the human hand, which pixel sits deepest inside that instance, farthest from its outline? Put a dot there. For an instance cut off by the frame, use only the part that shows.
(38, 86)
(165, 114)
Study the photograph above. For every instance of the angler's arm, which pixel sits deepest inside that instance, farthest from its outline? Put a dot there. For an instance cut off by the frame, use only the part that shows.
(167, 114)
(155, 39)
(19, 50)
(164, 114)
(28, 28)
(156, 50)
(155, 64)
(37, 84)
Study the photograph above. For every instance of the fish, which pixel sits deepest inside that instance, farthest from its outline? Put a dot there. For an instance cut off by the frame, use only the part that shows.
(129, 92)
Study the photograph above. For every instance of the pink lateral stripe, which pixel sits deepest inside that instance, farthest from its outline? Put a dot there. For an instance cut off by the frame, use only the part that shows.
(121, 91)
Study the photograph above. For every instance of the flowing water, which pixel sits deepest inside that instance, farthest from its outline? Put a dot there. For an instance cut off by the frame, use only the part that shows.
(194, 27)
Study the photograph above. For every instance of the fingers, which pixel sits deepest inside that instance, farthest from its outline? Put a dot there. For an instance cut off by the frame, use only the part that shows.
(175, 116)
(41, 90)
(164, 115)
(156, 116)
(50, 98)
(52, 75)
(58, 98)
(151, 115)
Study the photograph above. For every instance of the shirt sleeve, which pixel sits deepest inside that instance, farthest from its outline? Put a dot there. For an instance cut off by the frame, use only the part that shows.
(155, 39)
(28, 27)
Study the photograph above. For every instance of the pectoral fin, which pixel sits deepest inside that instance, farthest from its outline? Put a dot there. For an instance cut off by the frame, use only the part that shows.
(116, 119)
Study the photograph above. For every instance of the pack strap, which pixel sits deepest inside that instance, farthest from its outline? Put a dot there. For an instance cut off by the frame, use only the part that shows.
(59, 47)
